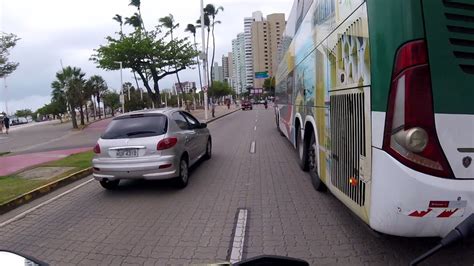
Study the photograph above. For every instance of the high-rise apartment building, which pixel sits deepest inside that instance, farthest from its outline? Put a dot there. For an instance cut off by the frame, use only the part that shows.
(217, 73)
(266, 36)
(238, 63)
(225, 67)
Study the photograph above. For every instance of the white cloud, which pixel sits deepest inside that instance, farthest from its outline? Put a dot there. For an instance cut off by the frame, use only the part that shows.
(51, 30)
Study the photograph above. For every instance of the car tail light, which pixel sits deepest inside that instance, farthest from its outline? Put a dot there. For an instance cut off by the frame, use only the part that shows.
(410, 132)
(166, 143)
(96, 148)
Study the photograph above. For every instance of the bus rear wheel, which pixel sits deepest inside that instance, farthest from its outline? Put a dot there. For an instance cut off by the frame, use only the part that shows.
(313, 166)
(302, 150)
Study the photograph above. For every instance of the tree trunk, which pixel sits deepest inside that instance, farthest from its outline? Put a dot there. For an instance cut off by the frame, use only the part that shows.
(207, 57)
(98, 105)
(213, 52)
(81, 112)
(93, 106)
(73, 117)
(87, 113)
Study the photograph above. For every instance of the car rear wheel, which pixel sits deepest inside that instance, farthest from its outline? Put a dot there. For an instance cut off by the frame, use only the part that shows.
(183, 178)
(109, 184)
(208, 154)
(313, 166)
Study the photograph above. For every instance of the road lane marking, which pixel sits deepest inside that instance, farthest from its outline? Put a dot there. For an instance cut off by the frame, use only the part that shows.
(23, 214)
(239, 236)
(255, 128)
(252, 147)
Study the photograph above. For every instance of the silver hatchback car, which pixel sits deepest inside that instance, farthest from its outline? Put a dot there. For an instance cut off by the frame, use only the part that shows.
(155, 145)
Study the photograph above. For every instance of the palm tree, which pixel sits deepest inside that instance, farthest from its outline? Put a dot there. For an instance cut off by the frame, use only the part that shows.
(212, 12)
(118, 18)
(135, 21)
(192, 29)
(168, 22)
(68, 85)
(98, 87)
(207, 23)
(137, 4)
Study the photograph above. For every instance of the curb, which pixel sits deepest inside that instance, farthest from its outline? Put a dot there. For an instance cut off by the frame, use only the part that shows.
(43, 190)
(215, 118)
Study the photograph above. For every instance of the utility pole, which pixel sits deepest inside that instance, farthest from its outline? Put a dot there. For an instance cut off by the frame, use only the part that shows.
(204, 59)
(6, 94)
(122, 98)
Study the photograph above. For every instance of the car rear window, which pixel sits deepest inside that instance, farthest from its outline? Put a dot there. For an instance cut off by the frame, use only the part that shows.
(136, 126)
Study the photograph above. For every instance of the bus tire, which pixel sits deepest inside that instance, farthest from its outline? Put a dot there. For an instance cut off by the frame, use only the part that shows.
(278, 126)
(313, 166)
(302, 150)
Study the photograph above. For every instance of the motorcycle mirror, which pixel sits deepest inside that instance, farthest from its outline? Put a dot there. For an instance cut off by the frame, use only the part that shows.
(14, 259)
(462, 231)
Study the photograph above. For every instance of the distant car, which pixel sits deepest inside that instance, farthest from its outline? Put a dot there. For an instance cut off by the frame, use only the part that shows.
(246, 105)
(155, 145)
(261, 101)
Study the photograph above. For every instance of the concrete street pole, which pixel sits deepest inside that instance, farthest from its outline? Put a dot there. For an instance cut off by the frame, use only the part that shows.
(6, 94)
(121, 90)
(204, 59)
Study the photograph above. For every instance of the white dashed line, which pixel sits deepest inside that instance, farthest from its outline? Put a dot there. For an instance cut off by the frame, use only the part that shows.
(255, 128)
(252, 147)
(21, 215)
(239, 237)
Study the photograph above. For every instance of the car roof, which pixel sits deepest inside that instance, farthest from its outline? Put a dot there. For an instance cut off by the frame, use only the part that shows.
(164, 111)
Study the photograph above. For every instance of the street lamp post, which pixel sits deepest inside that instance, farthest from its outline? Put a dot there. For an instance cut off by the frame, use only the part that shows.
(204, 59)
(121, 90)
(6, 94)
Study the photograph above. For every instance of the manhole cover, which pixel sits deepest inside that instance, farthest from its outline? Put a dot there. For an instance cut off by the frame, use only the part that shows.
(44, 173)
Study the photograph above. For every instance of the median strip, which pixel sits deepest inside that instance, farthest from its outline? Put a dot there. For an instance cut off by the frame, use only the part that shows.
(23, 187)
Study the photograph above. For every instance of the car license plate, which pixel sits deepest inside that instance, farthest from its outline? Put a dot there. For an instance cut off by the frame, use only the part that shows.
(126, 153)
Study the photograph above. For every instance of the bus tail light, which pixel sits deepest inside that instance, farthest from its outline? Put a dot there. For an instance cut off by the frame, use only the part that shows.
(410, 132)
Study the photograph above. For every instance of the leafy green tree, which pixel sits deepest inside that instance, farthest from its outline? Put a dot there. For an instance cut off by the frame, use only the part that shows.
(136, 102)
(211, 11)
(69, 86)
(220, 89)
(149, 55)
(112, 100)
(269, 85)
(23, 113)
(7, 41)
(97, 85)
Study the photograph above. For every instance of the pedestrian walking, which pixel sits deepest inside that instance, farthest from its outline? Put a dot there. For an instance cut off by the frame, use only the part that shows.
(6, 122)
(213, 109)
(1, 124)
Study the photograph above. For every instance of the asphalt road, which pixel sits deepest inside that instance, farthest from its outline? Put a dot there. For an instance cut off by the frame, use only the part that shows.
(153, 223)
(50, 136)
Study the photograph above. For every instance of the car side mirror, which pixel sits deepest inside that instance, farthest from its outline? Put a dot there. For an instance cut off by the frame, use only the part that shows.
(203, 125)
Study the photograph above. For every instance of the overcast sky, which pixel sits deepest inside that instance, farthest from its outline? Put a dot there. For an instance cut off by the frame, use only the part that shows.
(54, 30)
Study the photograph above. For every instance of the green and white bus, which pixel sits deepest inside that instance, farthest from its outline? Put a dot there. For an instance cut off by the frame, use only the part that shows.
(377, 97)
